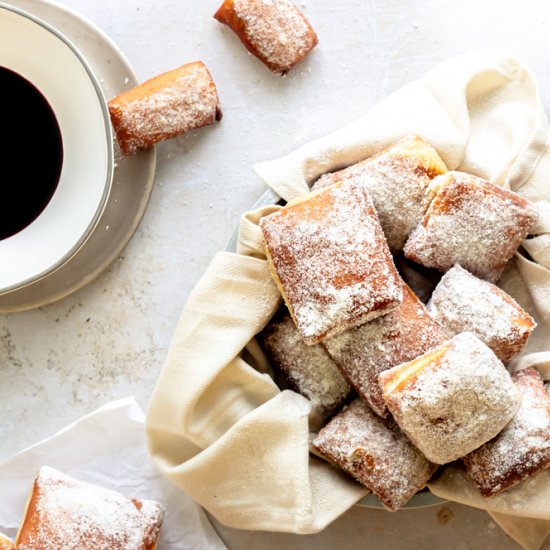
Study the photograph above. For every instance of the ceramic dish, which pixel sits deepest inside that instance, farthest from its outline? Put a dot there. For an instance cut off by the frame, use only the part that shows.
(132, 179)
(42, 55)
(422, 499)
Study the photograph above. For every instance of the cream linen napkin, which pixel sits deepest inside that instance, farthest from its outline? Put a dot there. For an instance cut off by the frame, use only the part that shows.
(217, 425)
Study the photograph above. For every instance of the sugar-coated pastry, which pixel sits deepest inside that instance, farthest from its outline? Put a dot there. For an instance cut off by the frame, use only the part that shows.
(6, 543)
(397, 179)
(64, 513)
(275, 31)
(522, 448)
(462, 302)
(452, 399)
(331, 262)
(308, 369)
(376, 453)
(164, 107)
(363, 352)
(473, 223)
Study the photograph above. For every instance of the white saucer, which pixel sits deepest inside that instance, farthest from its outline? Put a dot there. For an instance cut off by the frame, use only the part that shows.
(133, 176)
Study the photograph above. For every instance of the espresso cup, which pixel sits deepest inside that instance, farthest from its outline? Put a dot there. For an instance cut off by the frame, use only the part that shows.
(40, 55)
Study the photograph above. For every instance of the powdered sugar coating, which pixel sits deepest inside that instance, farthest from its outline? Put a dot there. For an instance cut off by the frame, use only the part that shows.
(462, 302)
(164, 107)
(273, 30)
(376, 453)
(308, 369)
(452, 399)
(473, 223)
(72, 515)
(522, 448)
(362, 353)
(331, 261)
(397, 180)
(5, 543)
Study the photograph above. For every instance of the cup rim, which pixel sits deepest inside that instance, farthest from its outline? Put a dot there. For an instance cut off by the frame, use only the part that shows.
(108, 142)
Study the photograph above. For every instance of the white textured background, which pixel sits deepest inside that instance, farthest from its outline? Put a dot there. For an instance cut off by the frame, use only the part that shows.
(109, 339)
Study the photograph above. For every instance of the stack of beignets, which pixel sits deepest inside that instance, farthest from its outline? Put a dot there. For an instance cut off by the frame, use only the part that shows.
(431, 384)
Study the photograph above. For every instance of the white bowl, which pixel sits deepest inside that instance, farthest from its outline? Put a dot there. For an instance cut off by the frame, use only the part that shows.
(47, 59)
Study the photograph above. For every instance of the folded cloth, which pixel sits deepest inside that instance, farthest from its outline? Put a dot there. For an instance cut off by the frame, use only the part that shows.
(217, 425)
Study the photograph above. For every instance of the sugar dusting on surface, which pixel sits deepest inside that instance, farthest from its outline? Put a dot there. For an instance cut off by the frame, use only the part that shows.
(188, 102)
(522, 448)
(332, 261)
(397, 180)
(277, 30)
(462, 302)
(473, 223)
(455, 403)
(308, 369)
(73, 515)
(364, 352)
(376, 453)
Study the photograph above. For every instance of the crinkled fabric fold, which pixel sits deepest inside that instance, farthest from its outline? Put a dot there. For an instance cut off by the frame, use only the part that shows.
(217, 425)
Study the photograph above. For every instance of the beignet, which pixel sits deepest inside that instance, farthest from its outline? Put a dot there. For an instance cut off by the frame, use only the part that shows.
(362, 353)
(473, 223)
(275, 31)
(522, 448)
(376, 453)
(452, 399)
(164, 107)
(462, 302)
(6, 543)
(64, 513)
(331, 262)
(308, 369)
(397, 180)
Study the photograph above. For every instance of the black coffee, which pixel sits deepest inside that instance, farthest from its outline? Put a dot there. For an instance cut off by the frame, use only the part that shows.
(31, 153)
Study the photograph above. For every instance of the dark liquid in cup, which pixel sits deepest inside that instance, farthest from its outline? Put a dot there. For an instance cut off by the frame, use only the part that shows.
(31, 153)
